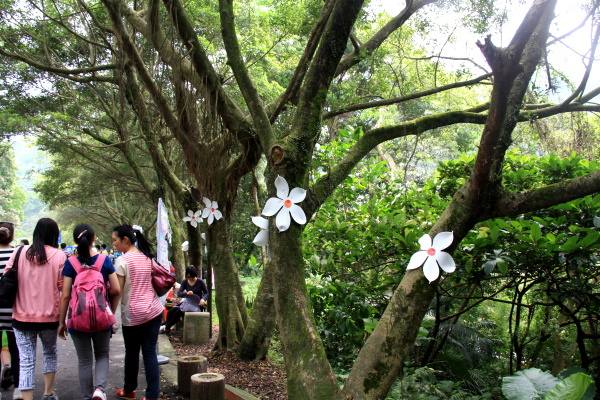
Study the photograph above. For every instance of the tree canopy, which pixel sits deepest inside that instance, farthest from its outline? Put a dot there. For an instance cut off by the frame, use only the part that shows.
(182, 100)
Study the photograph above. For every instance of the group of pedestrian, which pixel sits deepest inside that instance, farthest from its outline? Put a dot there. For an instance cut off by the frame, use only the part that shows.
(49, 302)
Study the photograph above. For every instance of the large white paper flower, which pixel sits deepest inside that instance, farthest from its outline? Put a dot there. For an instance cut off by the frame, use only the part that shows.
(193, 218)
(262, 238)
(286, 202)
(211, 211)
(432, 255)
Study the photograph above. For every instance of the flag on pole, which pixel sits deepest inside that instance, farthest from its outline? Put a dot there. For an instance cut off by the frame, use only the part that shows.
(163, 234)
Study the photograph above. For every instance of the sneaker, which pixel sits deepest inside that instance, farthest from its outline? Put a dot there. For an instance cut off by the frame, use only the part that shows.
(52, 396)
(17, 395)
(99, 395)
(122, 394)
(6, 377)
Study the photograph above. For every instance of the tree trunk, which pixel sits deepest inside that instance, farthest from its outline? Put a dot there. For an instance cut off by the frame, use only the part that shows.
(309, 374)
(207, 386)
(186, 367)
(256, 341)
(231, 306)
(382, 357)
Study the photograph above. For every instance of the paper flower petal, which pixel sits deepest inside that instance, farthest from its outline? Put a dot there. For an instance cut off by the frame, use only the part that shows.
(446, 262)
(194, 223)
(298, 214)
(272, 206)
(282, 221)
(425, 242)
(206, 213)
(297, 195)
(214, 205)
(442, 240)
(185, 246)
(262, 238)
(218, 214)
(190, 213)
(211, 218)
(431, 269)
(282, 187)
(206, 202)
(187, 219)
(417, 260)
(261, 222)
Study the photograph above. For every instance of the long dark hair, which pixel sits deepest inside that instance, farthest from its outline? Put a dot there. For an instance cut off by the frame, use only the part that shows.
(83, 235)
(135, 237)
(45, 233)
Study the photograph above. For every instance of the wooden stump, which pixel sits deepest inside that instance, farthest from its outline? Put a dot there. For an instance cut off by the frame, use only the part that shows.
(207, 386)
(186, 367)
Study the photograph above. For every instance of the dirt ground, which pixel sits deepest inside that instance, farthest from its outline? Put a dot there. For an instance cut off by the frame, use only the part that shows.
(262, 379)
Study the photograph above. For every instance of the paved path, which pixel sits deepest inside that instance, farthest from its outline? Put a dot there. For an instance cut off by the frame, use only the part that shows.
(67, 380)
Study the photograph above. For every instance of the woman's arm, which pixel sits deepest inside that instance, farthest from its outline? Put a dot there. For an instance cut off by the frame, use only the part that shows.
(201, 289)
(183, 289)
(114, 301)
(115, 286)
(64, 305)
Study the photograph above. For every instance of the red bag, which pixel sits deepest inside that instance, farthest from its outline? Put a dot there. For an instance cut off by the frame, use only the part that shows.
(162, 279)
(89, 310)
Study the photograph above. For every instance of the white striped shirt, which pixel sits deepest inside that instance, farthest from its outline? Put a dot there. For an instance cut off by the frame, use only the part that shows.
(5, 313)
(139, 302)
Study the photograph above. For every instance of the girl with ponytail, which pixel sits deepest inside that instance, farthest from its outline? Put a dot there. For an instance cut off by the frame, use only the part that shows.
(90, 344)
(141, 309)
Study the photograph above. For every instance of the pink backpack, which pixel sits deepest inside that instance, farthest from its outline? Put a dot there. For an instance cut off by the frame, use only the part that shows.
(89, 310)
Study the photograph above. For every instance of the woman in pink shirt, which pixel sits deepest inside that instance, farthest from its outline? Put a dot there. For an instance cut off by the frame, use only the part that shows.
(36, 308)
(141, 310)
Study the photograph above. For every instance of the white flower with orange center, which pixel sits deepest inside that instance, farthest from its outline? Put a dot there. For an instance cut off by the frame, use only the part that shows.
(211, 212)
(193, 218)
(432, 255)
(285, 204)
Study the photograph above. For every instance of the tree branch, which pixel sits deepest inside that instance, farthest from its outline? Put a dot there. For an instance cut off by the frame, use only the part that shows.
(356, 56)
(511, 204)
(236, 62)
(395, 100)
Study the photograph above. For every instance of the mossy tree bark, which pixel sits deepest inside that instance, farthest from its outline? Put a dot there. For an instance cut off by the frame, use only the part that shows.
(229, 298)
(262, 321)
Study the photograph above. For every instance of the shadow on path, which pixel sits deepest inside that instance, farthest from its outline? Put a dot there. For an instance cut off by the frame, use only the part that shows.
(67, 377)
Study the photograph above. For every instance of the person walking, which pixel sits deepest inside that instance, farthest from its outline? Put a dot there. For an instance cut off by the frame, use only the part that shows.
(10, 372)
(190, 285)
(89, 344)
(36, 309)
(141, 310)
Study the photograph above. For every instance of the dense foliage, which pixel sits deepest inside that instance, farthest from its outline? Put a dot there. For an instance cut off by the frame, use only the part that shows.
(538, 271)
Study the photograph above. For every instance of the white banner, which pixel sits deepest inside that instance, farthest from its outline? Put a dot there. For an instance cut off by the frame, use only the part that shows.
(163, 235)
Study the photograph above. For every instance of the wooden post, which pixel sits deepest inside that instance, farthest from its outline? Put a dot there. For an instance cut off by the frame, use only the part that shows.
(186, 367)
(209, 386)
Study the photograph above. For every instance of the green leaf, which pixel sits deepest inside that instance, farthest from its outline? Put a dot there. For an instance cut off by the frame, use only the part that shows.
(469, 265)
(590, 239)
(528, 384)
(502, 265)
(572, 388)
